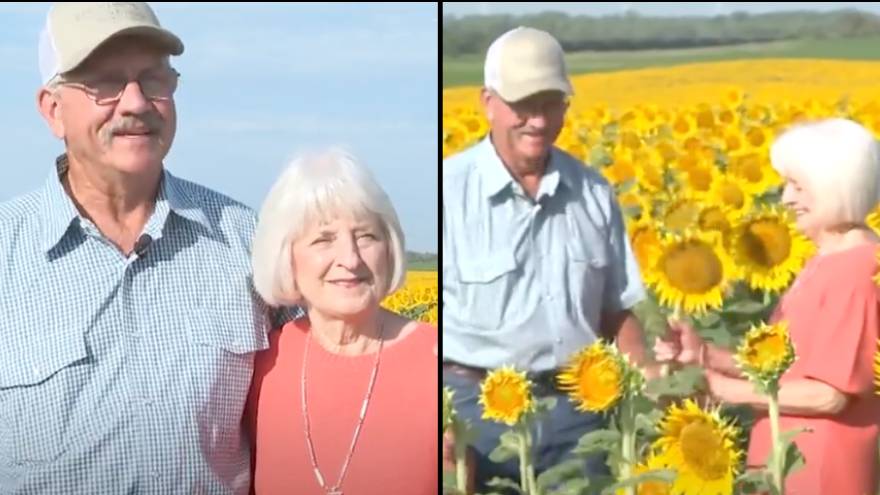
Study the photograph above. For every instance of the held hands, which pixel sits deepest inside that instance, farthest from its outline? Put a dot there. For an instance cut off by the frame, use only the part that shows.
(681, 345)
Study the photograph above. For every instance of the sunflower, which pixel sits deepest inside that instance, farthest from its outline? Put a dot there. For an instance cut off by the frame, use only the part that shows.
(691, 273)
(622, 168)
(699, 179)
(714, 218)
(505, 395)
(765, 353)
(654, 487)
(877, 368)
(873, 219)
(701, 447)
(595, 378)
(732, 194)
(645, 241)
(757, 137)
(733, 97)
(635, 204)
(681, 213)
(650, 173)
(754, 168)
(768, 249)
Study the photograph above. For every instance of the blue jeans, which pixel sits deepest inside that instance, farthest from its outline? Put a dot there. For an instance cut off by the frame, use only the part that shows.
(554, 435)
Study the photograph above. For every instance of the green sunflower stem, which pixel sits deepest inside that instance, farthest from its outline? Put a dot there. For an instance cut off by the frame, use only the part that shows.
(777, 455)
(530, 467)
(628, 443)
(461, 473)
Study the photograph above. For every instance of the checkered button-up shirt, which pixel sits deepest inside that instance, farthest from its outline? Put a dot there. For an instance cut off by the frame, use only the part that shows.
(126, 373)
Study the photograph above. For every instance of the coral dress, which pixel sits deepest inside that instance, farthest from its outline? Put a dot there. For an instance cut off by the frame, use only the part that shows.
(832, 311)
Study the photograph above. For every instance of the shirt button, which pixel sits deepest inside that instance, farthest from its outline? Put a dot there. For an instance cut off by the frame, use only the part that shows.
(155, 473)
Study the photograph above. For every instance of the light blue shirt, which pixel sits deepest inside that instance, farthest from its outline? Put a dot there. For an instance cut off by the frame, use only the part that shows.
(126, 374)
(525, 281)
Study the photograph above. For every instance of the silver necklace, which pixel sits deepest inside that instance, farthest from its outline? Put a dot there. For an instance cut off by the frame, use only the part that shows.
(336, 489)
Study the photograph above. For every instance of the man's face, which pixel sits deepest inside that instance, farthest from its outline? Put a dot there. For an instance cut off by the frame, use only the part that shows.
(526, 129)
(131, 135)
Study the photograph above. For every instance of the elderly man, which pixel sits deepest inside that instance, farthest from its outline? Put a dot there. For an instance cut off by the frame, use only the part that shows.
(536, 260)
(129, 318)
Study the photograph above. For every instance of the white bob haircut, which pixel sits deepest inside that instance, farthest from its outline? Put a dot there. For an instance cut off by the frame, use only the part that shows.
(840, 162)
(315, 187)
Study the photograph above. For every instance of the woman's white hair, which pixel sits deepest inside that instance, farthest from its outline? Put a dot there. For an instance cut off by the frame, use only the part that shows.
(318, 186)
(840, 163)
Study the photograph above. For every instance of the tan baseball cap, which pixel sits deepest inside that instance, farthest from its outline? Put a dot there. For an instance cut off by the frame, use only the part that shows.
(74, 30)
(525, 61)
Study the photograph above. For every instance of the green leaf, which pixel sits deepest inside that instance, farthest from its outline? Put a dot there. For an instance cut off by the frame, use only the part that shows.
(643, 405)
(562, 472)
(666, 475)
(792, 459)
(756, 481)
(647, 422)
(545, 404)
(497, 482)
(682, 383)
(597, 440)
(746, 307)
(448, 481)
(577, 486)
(508, 447)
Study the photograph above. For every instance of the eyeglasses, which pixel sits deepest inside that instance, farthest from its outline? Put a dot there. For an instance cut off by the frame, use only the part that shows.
(106, 91)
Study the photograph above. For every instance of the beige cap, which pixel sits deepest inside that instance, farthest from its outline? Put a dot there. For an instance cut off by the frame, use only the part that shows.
(74, 30)
(525, 61)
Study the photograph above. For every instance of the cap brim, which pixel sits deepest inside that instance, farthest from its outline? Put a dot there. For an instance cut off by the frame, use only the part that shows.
(164, 38)
(523, 91)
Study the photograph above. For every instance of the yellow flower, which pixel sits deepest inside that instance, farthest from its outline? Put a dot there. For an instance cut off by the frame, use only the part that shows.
(594, 378)
(765, 353)
(768, 250)
(645, 241)
(714, 218)
(650, 487)
(691, 273)
(506, 395)
(873, 219)
(877, 368)
(731, 192)
(701, 447)
(754, 168)
(681, 213)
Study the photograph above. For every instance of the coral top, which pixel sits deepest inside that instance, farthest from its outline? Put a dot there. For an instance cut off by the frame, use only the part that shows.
(832, 310)
(398, 447)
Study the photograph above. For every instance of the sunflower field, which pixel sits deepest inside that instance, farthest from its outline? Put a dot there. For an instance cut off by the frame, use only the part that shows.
(687, 150)
(417, 299)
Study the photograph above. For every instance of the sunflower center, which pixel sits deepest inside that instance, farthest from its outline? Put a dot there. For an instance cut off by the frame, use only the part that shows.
(766, 351)
(700, 178)
(732, 195)
(693, 267)
(703, 451)
(756, 137)
(767, 243)
(507, 398)
(713, 218)
(600, 382)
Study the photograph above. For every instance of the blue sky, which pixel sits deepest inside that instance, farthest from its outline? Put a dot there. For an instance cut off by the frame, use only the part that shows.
(648, 8)
(259, 83)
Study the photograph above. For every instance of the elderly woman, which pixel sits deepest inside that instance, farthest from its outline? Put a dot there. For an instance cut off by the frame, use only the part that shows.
(345, 400)
(832, 181)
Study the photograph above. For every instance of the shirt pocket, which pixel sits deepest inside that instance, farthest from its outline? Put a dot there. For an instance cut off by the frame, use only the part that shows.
(587, 276)
(42, 387)
(223, 339)
(488, 282)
